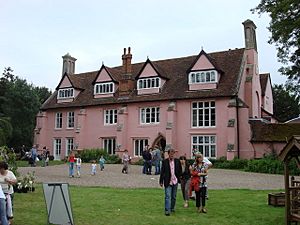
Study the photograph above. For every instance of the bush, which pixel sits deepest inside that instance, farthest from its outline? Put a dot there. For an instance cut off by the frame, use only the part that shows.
(88, 155)
(236, 163)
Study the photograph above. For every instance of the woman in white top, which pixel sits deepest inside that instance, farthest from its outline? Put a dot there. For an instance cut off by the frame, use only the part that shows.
(7, 180)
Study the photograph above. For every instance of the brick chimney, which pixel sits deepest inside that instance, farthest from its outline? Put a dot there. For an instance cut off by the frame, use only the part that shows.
(126, 84)
(68, 64)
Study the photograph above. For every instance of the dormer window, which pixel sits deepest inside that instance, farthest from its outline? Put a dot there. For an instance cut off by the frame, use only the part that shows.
(65, 93)
(209, 76)
(147, 83)
(104, 88)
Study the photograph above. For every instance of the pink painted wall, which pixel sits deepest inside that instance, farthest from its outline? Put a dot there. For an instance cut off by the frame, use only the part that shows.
(202, 64)
(148, 71)
(268, 98)
(266, 148)
(65, 83)
(103, 76)
(202, 86)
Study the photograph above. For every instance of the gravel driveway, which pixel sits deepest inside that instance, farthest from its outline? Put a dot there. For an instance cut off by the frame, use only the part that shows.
(112, 177)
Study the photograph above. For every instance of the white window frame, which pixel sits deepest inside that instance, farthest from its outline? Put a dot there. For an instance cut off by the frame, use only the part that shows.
(206, 144)
(57, 143)
(110, 116)
(139, 146)
(109, 144)
(150, 115)
(148, 83)
(69, 145)
(203, 115)
(65, 93)
(70, 119)
(104, 88)
(206, 76)
(58, 120)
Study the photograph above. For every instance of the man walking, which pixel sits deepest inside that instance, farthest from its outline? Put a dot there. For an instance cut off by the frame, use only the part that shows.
(169, 178)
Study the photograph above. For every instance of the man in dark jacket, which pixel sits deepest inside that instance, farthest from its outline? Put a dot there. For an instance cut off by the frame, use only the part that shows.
(169, 178)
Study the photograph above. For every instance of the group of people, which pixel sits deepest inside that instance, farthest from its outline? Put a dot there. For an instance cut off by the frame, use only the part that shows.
(7, 180)
(151, 156)
(33, 156)
(192, 178)
(75, 164)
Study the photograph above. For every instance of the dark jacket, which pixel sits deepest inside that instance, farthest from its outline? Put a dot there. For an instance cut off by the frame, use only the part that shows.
(165, 174)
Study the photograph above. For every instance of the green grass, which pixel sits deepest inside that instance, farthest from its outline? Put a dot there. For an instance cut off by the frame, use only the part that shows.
(96, 206)
(23, 163)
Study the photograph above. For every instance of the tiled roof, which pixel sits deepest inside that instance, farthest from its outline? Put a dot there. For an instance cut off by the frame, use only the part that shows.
(273, 132)
(263, 82)
(176, 87)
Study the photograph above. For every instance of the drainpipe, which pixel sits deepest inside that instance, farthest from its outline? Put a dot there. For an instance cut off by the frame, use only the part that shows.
(237, 126)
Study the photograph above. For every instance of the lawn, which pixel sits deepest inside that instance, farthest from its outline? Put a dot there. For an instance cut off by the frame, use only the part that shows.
(96, 206)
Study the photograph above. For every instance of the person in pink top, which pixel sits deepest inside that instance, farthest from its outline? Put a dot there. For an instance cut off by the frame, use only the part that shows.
(71, 160)
(169, 178)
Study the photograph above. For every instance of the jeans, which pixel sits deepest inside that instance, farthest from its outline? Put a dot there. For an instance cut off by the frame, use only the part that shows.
(71, 169)
(3, 217)
(170, 198)
(157, 166)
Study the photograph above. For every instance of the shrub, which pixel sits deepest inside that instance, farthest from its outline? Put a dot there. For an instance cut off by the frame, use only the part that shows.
(87, 155)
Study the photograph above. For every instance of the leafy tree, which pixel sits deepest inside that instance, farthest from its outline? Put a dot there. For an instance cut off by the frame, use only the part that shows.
(286, 104)
(5, 130)
(19, 103)
(285, 30)
(43, 93)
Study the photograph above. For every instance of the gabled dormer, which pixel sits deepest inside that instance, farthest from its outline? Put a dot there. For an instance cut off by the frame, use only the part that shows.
(149, 80)
(203, 73)
(104, 84)
(66, 91)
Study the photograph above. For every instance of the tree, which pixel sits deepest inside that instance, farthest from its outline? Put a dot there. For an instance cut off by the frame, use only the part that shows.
(286, 104)
(19, 103)
(285, 30)
(5, 130)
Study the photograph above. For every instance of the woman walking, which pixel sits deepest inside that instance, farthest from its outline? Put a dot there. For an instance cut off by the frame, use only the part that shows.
(185, 180)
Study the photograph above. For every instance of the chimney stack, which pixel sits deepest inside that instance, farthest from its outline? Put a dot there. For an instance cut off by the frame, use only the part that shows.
(126, 82)
(68, 64)
(250, 35)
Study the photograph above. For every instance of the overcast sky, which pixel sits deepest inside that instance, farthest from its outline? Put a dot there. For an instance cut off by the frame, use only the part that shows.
(35, 34)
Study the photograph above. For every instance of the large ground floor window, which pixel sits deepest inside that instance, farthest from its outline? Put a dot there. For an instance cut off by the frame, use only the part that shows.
(57, 148)
(109, 144)
(139, 145)
(206, 144)
(69, 145)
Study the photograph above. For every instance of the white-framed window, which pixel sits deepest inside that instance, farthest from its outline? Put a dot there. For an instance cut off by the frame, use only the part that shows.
(203, 114)
(65, 93)
(104, 88)
(69, 145)
(209, 76)
(151, 82)
(58, 120)
(139, 145)
(57, 148)
(206, 144)
(110, 116)
(109, 144)
(70, 119)
(149, 115)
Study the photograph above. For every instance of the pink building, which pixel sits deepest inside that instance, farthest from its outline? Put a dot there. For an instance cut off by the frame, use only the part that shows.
(203, 101)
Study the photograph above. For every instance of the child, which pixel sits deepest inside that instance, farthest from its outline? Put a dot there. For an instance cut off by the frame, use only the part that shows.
(78, 165)
(125, 160)
(101, 162)
(94, 166)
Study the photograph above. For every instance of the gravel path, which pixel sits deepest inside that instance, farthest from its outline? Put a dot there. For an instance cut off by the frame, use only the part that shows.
(112, 177)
